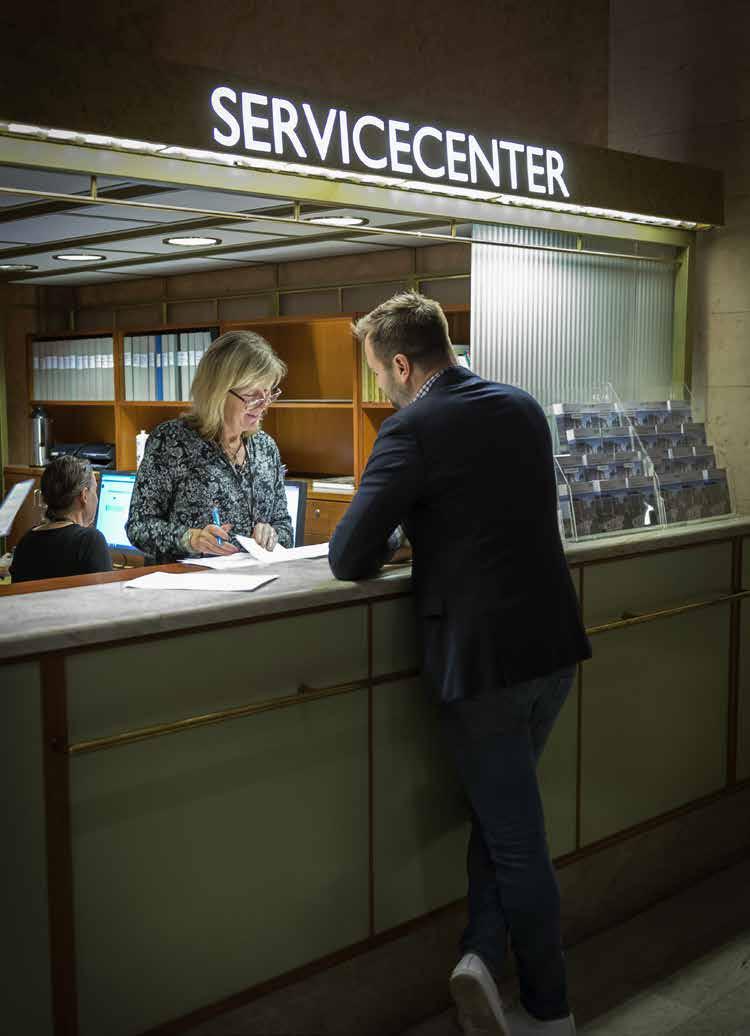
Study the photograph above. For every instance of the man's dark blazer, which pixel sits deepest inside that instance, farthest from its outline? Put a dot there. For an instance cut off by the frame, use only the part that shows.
(468, 472)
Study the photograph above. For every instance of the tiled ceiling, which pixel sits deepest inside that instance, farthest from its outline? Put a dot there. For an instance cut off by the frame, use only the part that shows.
(130, 236)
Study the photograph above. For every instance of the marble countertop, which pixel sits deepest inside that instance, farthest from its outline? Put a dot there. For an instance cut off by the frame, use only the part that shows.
(57, 620)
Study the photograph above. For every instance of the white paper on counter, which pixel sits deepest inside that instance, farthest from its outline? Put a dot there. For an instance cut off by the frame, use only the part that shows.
(211, 581)
(11, 505)
(279, 553)
(222, 562)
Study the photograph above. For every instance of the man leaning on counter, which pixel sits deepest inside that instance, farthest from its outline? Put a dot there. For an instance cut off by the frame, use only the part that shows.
(501, 630)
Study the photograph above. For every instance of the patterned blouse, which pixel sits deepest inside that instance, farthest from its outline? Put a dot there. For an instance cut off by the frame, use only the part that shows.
(182, 477)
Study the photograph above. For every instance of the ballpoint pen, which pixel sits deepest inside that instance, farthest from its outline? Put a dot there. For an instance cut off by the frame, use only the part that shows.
(216, 521)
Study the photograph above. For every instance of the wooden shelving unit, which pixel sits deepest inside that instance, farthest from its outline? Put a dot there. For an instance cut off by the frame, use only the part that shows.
(321, 424)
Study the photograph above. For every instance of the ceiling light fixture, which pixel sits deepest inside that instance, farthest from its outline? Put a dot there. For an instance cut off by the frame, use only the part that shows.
(338, 221)
(16, 267)
(192, 241)
(80, 257)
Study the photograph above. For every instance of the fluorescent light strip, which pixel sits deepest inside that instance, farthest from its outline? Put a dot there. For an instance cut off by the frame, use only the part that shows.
(271, 165)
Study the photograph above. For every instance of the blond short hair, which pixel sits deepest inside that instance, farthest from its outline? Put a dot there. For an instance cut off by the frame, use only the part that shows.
(234, 359)
(407, 323)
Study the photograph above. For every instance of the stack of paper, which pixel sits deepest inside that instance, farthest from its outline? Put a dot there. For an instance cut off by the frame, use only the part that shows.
(279, 553)
(210, 581)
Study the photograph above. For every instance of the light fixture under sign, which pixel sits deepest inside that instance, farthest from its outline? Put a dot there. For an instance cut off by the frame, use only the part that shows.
(80, 257)
(338, 221)
(188, 241)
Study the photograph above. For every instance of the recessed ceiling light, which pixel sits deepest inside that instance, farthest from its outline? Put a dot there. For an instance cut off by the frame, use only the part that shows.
(192, 242)
(338, 221)
(79, 257)
(16, 267)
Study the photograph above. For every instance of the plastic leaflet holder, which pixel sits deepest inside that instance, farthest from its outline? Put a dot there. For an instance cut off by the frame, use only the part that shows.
(634, 465)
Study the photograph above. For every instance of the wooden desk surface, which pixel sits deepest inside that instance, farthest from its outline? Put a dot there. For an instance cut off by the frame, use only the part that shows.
(35, 586)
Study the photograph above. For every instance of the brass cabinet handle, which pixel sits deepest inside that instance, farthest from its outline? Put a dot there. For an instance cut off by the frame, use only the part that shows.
(316, 512)
(336, 688)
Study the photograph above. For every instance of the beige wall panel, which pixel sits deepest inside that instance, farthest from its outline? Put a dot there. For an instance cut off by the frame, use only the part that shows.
(24, 942)
(449, 293)
(395, 637)
(728, 427)
(210, 861)
(145, 289)
(366, 297)
(656, 581)
(233, 281)
(347, 269)
(558, 779)
(192, 312)
(654, 720)
(137, 317)
(94, 319)
(249, 308)
(443, 259)
(302, 303)
(420, 816)
(115, 689)
(743, 732)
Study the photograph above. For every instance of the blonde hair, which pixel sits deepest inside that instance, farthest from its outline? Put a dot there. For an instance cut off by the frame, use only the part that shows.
(234, 359)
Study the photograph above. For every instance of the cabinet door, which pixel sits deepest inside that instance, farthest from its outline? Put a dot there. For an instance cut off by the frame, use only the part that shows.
(32, 509)
(321, 518)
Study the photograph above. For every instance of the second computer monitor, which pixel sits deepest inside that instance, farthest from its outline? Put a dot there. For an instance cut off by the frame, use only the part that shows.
(296, 502)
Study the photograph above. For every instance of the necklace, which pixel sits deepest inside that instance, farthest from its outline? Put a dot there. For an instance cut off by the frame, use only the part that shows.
(232, 454)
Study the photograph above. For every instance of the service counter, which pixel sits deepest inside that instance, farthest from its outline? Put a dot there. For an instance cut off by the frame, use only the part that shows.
(219, 789)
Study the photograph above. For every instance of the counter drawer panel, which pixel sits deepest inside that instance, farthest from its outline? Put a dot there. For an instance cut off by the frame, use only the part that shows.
(743, 733)
(558, 777)
(24, 937)
(654, 719)
(395, 637)
(121, 688)
(210, 861)
(321, 518)
(420, 818)
(655, 581)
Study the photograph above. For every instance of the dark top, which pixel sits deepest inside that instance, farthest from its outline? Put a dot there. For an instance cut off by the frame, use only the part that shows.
(468, 472)
(71, 550)
(183, 476)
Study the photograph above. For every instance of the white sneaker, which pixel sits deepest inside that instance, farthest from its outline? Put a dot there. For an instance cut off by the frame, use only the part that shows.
(480, 1010)
(523, 1024)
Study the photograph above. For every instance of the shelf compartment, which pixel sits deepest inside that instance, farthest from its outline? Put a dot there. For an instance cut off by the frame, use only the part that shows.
(81, 422)
(313, 439)
(319, 354)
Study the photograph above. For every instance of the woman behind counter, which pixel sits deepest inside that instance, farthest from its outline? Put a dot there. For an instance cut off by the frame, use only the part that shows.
(64, 544)
(215, 459)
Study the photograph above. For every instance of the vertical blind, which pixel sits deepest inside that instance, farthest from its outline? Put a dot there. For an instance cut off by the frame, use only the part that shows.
(565, 326)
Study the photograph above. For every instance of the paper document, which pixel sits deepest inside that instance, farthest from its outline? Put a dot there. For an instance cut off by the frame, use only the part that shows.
(11, 505)
(222, 562)
(279, 553)
(211, 581)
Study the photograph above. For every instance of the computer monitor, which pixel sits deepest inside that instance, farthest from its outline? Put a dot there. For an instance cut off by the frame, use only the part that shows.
(115, 491)
(296, 502)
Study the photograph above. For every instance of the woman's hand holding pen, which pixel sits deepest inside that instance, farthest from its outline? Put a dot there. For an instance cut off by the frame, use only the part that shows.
(212, 539)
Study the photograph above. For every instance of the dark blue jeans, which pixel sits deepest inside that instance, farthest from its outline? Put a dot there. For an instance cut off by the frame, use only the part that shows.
(496, 740)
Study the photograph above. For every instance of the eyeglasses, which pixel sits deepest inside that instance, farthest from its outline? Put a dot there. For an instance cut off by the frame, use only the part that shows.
(258, 399)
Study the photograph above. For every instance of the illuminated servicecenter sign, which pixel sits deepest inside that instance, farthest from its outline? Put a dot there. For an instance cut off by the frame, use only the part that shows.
(278, 128)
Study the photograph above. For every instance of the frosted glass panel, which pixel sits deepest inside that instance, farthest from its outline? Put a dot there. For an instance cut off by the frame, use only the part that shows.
(561, 326)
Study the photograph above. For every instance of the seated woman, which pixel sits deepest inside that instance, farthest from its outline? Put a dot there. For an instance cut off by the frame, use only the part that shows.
(64, 544)
(215, 461)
